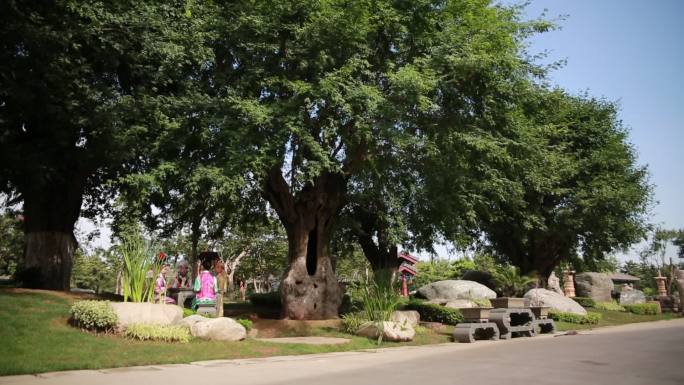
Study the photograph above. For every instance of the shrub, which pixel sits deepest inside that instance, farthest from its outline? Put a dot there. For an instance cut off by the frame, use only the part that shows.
(266, 299)
(611, 306)
(93, 315)
(435, 313)
(589, 319)
(585, 301)
(379, 297)
(352, 322)
(166, 333)
(246, 323)
(650, 308)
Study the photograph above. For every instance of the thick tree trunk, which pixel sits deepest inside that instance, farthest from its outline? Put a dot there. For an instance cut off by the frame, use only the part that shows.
(380, 257)
(48, 259)
(309, 289)
(50, 214)
(372, 233)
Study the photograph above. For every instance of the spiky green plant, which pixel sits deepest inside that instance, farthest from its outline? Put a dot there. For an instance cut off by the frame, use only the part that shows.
(379, 298)
(140, 268)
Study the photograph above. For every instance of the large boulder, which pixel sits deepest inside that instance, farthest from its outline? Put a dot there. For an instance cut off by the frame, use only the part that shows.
(453, 289)
(391, 331)
(632, 297)
(461, 304)
(597, 286)
(543, 297)
(191, 320)
(406, 317)
(218, 329)
(146, 313)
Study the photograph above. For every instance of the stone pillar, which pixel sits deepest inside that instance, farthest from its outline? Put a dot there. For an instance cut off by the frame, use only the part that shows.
(569, 283)
(660, 281)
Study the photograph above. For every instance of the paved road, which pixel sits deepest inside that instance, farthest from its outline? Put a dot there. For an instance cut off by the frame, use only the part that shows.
(644, 354)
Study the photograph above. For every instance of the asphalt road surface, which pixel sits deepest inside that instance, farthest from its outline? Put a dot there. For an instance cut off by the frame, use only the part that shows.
(644, 354)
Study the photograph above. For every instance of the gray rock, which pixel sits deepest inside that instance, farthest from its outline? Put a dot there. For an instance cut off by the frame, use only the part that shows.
(191, 320)
(146, 313)
(632, 297)
(219, 329)
(406, 317)
(391, 331)
(455, 289)
(558, 302)
(461, 304)
(597, 286)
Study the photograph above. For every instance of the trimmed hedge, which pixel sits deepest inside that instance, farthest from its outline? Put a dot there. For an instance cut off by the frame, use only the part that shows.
(650, 308)
(585, 301)
(266, 299)
(435, 313)
(93, 315)
(166, 333)
(590, 318)
(610, 306)
(246, 323)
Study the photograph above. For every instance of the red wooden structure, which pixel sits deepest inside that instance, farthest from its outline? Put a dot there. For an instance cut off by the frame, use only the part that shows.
(407, 269)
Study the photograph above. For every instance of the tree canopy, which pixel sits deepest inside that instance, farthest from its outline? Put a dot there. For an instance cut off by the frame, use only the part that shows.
(579, 189)
(84, 86)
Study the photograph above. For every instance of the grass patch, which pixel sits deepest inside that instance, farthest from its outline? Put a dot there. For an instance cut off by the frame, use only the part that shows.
(36, 338)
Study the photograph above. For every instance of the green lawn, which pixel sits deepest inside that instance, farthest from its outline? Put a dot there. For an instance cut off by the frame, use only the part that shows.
(612, 318)
(36, 338)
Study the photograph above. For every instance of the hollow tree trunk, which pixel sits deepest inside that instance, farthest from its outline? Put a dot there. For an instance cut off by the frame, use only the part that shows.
(309, 289)
(50, 213)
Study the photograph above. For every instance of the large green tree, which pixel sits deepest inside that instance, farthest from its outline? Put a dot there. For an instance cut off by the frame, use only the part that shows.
(580, 191)
(84, 87)
(325, 87)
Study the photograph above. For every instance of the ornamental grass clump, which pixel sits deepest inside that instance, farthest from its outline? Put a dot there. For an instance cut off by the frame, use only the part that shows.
(140, 269)
(151, 332)
(352, 322)
(93, 315)
(379, 299)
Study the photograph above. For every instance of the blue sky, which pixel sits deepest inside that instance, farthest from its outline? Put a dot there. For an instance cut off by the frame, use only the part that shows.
(632, 52)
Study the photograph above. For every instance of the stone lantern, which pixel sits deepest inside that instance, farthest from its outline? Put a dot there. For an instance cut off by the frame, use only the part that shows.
(569, 283)
(660, 281)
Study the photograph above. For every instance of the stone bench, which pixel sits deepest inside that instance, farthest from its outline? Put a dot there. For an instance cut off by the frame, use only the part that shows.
(469, 332)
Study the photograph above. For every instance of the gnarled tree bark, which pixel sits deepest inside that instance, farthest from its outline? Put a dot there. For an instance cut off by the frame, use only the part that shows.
(309, 289)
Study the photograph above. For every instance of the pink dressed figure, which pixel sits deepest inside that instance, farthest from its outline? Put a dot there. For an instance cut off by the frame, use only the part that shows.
(206, 286)
(160, 287)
